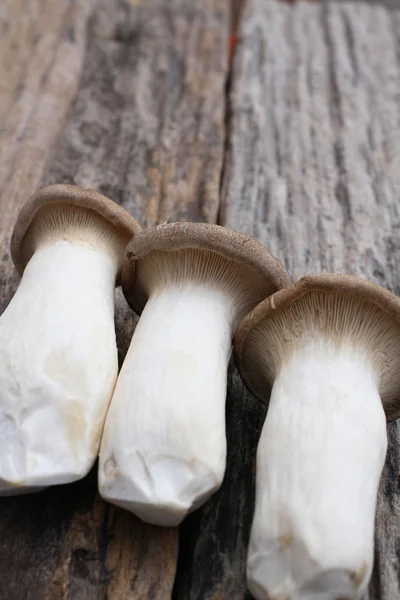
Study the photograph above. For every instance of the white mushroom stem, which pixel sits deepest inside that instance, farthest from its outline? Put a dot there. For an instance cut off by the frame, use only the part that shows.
(164, 448)
(319, 461)
(58, 366)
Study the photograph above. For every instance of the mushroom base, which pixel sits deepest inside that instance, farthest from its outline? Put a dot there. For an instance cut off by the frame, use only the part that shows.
(319, 461)
(58, 366)
(164, 448)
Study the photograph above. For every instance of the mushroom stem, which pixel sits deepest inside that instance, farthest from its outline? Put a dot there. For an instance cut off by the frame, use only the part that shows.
(319, 461)
(163, 450)
(58, 365)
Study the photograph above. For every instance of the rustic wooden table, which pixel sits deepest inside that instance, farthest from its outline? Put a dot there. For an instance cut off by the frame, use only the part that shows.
(296, 142)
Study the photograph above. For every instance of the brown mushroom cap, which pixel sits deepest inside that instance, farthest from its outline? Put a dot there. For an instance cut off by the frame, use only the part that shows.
(203, 248)
(125, 225)
(337, 308)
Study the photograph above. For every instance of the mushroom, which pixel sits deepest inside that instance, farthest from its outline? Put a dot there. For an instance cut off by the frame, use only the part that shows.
(163, 448)
(58, 355)
(330, 348)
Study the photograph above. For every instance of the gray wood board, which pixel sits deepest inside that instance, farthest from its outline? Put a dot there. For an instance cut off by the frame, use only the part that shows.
(311, 170)
(127, 98)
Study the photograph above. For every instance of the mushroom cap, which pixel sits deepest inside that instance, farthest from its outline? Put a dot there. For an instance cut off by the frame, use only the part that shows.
(117, 216)
(171, 238)
(341, 307)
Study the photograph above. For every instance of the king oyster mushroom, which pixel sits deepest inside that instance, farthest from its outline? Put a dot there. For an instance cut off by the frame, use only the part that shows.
(58, 355)
(163, 448)
(330, 348)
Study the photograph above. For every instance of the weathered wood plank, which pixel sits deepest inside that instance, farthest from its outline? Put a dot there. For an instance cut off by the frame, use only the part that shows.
(127, 98)
(312, 170)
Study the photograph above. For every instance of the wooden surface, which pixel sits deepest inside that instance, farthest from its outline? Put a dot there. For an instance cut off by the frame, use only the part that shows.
(130, 98)
(127, 98)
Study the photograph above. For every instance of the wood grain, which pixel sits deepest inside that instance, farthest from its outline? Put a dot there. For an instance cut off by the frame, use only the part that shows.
(312, 170)
(127, 98)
